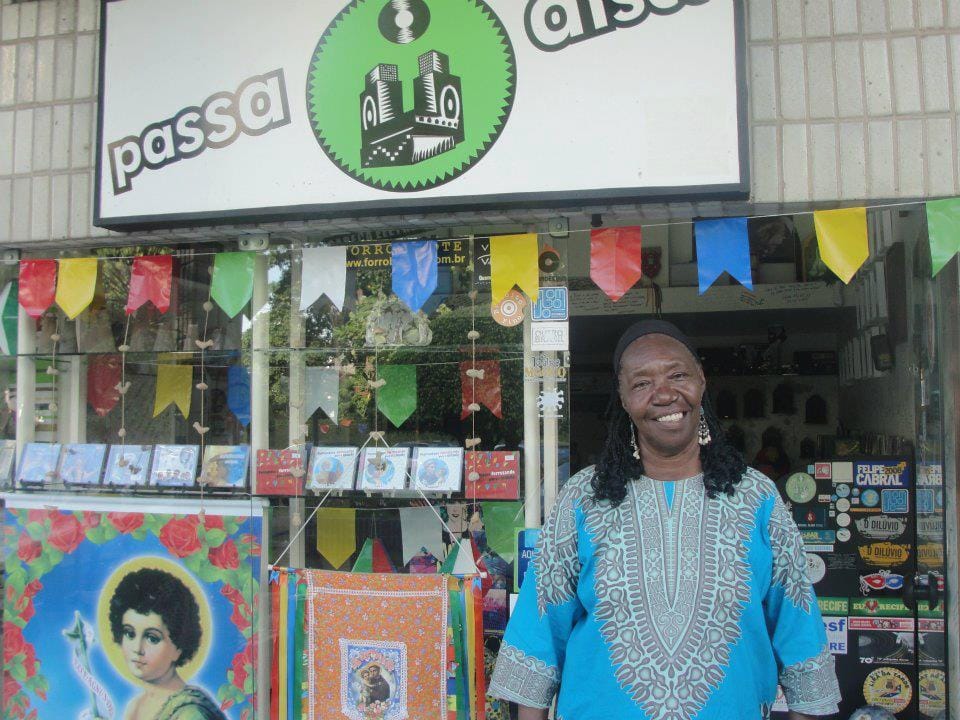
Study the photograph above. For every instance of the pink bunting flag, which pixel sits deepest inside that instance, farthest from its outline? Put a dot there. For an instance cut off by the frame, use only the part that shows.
(615, 259)
(151, 279)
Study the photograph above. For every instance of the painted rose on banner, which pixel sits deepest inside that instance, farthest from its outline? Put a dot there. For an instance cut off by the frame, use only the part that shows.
(133, 611)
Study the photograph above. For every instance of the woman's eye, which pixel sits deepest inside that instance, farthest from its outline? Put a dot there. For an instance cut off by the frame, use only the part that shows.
(128, 633)
(154, 639)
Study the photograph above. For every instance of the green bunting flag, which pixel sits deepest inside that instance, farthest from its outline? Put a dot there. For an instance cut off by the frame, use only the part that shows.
(232, 284)
(502, 521)
(9, 311)
(397, 399)
(943, 229)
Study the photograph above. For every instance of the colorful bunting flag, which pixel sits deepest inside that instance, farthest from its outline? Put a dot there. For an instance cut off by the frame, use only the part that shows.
(420, 530)
(151, 279)
(322, 391)
(842, 239)
(373, 558)
(615, 259)
(174, 385)
(231, 286)
(76, 284)
(9, 312)
(483, 390)
(502, 521)
(238, 393)
(324, 273)
(37, 285)
(104, 374)
(397, 399)
(723, 245)
(414, 271)
(336, 534)
(943, 229)
(513, 261)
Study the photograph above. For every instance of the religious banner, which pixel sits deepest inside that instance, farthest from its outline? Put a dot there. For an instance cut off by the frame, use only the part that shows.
(373, 558)
(324, 273)
(151, 280)
(174, 385)
(336, 534)
(104, 373)
(482, 387)
(943, 229)
(76, 284)
(723, 245)
(414, 271)
(231, 286)
(9, 312)
(238, 393)
(80, 572)
(513, 261)
(322, 390)
(37, 286)
(842, 239)
(616, 262)
(397, 399)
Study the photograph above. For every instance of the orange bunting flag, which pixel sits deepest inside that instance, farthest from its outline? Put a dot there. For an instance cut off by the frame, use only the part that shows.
(842, 239)
(615, 260)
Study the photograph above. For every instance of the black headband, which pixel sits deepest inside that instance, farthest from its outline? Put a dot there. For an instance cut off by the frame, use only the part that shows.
(650, 327)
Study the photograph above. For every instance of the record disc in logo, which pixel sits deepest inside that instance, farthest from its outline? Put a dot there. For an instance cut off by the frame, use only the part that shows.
(405, 95)
(509, 311)
(549, 260)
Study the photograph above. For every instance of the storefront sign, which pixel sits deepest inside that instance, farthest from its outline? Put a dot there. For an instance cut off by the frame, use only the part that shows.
(551, 304)
(546, 336)
(833, 605)
(370, 106)
(881, 475)
(884, 554)
(545, 367)
(881, 527)
(884, 607)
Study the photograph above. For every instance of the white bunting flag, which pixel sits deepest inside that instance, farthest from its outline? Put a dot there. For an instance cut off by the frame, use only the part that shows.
(420, 528)
(324, 273)
(323, 391)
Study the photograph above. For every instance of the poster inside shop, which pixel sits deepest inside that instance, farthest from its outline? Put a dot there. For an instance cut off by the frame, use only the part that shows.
(135, 608)
(413, 105)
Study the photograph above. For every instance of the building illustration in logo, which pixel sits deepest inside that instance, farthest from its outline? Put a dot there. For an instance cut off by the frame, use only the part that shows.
(391, 137)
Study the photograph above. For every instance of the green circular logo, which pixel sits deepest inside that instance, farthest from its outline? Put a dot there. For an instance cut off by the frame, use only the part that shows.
(405, 95)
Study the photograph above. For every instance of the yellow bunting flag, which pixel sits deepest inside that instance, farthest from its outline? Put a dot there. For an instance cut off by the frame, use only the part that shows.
(76, 283)
(336, 534)
(842, 238)
(174, 385)
(513, 261)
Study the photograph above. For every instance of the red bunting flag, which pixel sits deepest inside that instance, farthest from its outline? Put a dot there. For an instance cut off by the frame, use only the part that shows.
(38, 285)
(615, 259)
(151, 278)
(103, 380)
(487, 386)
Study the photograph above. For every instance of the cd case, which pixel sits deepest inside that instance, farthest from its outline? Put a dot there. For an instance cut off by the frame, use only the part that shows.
(437, 469)
(174, 465)
(332, 468)
(225, 466)
(82, 463)
(277, 472)
(38, 466)
(128, 465)
(383, 469)
(498, 471)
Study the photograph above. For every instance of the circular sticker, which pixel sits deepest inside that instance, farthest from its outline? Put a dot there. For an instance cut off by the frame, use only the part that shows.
(843, 520)
(843, 505)
(933, 691)
(816, 568)
(888, 688)
(843, 534)
(509, 311)
(870, 498)
(801, 488)
(404, 96)
(842, 490)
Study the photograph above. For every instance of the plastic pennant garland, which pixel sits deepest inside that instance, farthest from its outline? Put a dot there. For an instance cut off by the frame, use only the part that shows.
(723, 245)
(336, 534)
(324, 273)
(9, 312)
(238, 393)
(37, 286)
(373, 558)
(174, 385)
(232, 284)
(615, 259)
(502, 521)
(420, 530)
(397, 399)
(322, 391)
(485, 391)
(151, 279)
(76, 284)
(842, 239)
(414, 266)
(943, 229)
(513, 261)
(104, 373)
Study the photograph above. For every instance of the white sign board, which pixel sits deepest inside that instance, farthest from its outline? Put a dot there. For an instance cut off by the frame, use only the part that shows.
(552, 335)
(244, 110)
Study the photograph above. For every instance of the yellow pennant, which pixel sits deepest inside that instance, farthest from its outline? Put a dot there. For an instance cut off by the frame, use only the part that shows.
(174, 385)
(513, 261)
(76, 283)
(842, 238)
(336, 534)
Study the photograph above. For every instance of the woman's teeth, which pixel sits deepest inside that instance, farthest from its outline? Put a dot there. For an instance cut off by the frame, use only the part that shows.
(671, 418)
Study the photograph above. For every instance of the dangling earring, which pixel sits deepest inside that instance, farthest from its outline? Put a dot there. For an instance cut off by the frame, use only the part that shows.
(633, 442)
(703, 431)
